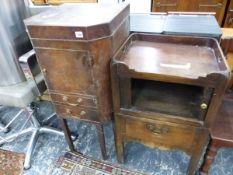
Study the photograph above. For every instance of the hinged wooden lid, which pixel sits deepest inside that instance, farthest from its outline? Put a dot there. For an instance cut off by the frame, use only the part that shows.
(77, 21)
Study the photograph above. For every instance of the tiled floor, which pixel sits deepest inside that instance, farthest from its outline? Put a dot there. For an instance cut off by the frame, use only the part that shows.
(137, 157)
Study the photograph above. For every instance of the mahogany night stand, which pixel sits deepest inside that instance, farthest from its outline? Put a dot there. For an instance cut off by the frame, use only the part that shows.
(165, 91)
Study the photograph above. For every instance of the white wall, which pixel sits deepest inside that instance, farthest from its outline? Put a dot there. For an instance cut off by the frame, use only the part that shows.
(136, 6)
(108, 1)
(139, 6)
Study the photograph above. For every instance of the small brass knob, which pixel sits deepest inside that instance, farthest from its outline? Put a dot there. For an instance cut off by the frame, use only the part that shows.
(82, 113)
(203, 106)
(65, 98)
(79, 100)
(44, 70)
(68, 111)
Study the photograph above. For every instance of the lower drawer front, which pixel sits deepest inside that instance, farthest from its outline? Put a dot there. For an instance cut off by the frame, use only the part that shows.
(74, 100)
(160, 134)
(77, 113)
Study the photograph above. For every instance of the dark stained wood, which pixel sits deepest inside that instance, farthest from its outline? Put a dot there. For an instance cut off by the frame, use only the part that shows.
(165, 92)
(100, 133)
(54, 64)
(162, 135)
(193, 6)
(201, 140)
(74, 45)
(227, 40)
(160, 55)
(156, 97)
(66, 131)
(206, 67)
(227, 45)
(216, 6)
(75, 100)
(221, 132)
(76, 112)
(56, 23)
(119, 129)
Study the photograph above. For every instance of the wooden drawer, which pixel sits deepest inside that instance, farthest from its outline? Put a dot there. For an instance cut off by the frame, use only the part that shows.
(217, 6)
(79, 113)
(74, 100)
(164, 135)
(165, 5)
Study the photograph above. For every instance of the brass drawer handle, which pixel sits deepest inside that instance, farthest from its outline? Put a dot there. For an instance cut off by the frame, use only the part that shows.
(204, 106)
(217, 5)
(153, 128)
(82, 113)
(159, 4)
(68, 111)
(44, 71)
(79, 100)
(65, 99)
(72, 104)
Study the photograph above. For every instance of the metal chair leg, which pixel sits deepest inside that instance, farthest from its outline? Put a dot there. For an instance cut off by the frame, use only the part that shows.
(35, 129)
(12, 137)
(5, 128)
(49, 119)
(30, 148)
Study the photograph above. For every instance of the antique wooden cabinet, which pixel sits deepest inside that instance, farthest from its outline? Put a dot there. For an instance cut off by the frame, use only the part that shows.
(216, 6)
(166, 91)
(74, 44)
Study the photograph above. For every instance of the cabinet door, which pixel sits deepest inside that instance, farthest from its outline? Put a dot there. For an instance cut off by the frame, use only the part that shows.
(217, 6)
(229, 18)
(67, 71)
(165, 5)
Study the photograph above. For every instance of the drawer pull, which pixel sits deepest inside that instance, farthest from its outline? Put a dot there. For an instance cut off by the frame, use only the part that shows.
(65, 99)
(153, 128)
(159, 4)
(72, 104)
(68, 111)
(82, 113)
(44, 71)
(79, 100)
(217, 5)
(204, 106)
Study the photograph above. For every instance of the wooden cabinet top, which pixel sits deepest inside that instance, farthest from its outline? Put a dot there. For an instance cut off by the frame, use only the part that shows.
(186, 57)
(80, 15)
(85, 21)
